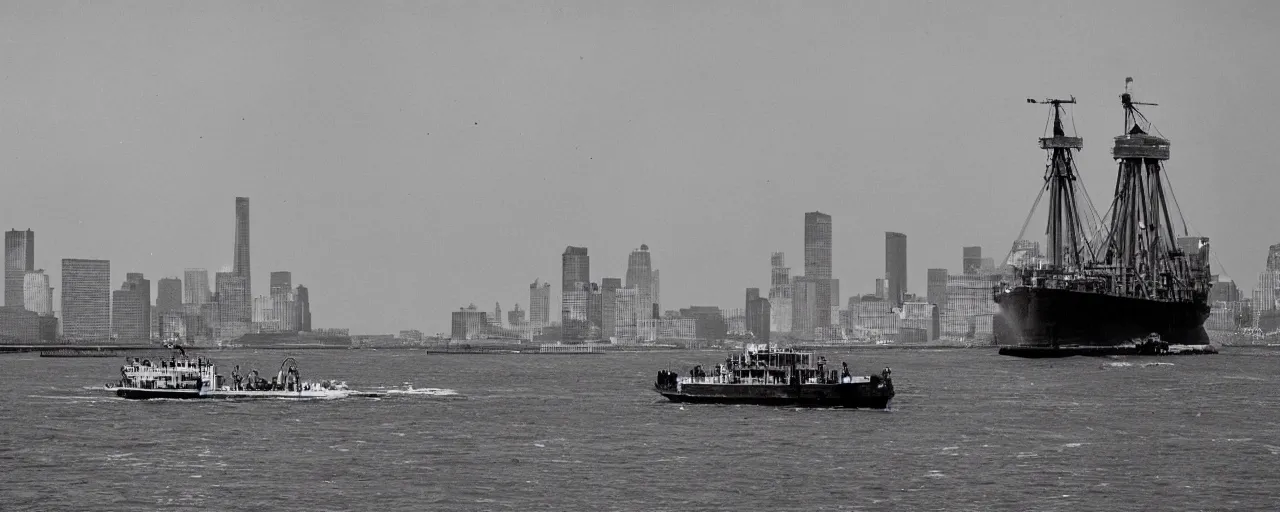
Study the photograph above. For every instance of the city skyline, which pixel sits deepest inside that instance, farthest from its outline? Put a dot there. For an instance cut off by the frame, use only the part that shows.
(370, 194)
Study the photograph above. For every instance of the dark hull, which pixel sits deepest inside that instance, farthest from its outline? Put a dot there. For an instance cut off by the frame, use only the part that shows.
(859, 395)
(1045, 317)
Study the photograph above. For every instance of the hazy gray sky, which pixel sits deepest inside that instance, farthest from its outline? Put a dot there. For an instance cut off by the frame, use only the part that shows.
(405, 159)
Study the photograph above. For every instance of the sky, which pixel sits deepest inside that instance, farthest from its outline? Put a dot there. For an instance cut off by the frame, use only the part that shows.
(404, 159)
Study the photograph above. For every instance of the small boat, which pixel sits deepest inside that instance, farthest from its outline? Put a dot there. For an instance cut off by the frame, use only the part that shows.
(767, 376)
(187, 378)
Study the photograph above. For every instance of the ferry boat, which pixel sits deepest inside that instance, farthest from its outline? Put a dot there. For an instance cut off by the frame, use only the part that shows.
(769, 376)
(186, 378)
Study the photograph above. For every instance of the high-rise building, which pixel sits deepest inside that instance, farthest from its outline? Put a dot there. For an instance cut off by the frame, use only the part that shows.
(937, 287)
(234, 316)
(895, 266)
(469, 323)
(575, 291)
(19, 258)
(657, 297)
(515, 317)
(168, 295)
(624, 314)
(496, 319)
(86, 299)
(640, 277)
(131, 309)
(972, 260)
(817, 263)
(37, 295)
(303, 296)
(609, 287)
(195, 286)
(779, 293)
(241, 265)
(281, 282)
(757, 315)
(880, 291)
(539, 304)
(1273, 258)
(804, 301)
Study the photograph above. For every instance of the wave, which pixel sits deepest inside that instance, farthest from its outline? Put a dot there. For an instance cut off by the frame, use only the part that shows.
(1123, 364)
(410, 390)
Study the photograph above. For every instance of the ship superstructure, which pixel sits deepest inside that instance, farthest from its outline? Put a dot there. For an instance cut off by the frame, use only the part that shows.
(1107, 280)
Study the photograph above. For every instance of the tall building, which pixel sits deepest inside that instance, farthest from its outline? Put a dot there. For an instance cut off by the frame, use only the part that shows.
(624, 314)
(86, 299)
(804, 303)
(19, 258)
(936, 291)
(515, 317)
(657, 297)
(241, 265)
(757, 315)
(895, 266)
(195, 286)
(168, 295)
(609, 287)
(131, 309)
(37, 295)
(817, 263)
(972, 260)
(281, 282)
(496, 319)
(469, 323)
(539, 304)
(234, 315)
(1273, 258)
(303, 296)
(575, 291)
(640, 277)
(779, 293)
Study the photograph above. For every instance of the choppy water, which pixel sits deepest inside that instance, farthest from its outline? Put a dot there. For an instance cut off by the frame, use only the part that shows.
(969, 430)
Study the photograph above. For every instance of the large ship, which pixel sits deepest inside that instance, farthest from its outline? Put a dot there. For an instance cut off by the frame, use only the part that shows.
(1106, 281)
(768, 376)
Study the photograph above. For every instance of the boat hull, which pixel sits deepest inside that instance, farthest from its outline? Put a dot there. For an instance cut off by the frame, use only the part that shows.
(856, 395)
(149, 394)
(1045, 317)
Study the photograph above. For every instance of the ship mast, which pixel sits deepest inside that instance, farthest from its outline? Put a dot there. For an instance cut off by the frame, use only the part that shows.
(1067, 245)
(1141, 242)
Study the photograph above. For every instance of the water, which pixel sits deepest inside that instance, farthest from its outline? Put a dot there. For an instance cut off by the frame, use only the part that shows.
(969, 430)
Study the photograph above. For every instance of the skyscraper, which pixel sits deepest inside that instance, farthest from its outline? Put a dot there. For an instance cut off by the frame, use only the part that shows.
(971, 260)
(37, 295)
(657, 297)
(281, 282)
(640, 277)
(575, 292)
(609, 287)
(86, 299)
(168, 295)
(303, 296)
(235, 309)
(241, 264)
(19, 258)
(195, 286)
(757, 315)
(131, 309)
(539, 304)
(895, 266)
(779, 293)
(817, 264)
(515, 317)
(937, 287)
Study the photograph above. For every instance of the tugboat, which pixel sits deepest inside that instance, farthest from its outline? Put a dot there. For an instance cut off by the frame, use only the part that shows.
(184, 378)
(768, 376)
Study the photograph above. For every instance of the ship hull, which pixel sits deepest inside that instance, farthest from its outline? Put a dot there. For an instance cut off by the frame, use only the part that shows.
(151, 394)
(857, 395)
(1049, 317)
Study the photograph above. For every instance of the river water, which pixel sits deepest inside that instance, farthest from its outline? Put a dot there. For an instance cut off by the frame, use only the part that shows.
(969, 430)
